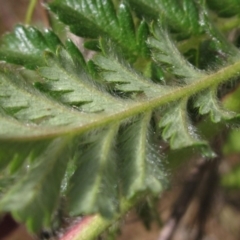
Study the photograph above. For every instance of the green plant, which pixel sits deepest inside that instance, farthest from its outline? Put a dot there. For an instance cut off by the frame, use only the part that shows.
(87, 131)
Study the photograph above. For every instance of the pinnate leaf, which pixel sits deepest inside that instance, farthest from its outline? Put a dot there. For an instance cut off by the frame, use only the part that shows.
(25, 46)
(93, 186)
(34, 198)
(177, 127)
(166, 54)
(116, 24)
(62, 74)
(183, 16)
(90, 140)
(141, 165)
(209, 104)
(161, 46)
(114, 69)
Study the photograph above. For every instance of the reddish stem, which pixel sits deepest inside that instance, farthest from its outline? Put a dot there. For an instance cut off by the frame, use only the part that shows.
(77, 228)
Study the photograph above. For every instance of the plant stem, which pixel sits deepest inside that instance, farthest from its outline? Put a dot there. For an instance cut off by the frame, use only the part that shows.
(192, 42)
(133, 109)
(31, 7)
(229, 25)
(90, 227)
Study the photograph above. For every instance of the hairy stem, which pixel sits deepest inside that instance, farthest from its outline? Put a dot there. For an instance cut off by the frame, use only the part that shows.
(201, 84)
(90, 227)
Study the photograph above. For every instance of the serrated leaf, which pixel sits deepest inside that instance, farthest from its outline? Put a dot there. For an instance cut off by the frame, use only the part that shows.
(62, 102)
(208, 103)
(141, 164)
(177, 127)
(126, 25)
(67, 82)
(34, 198)
(76, 55)
(98, 15)
(27, 108)
(13, 160)
(165, 53)
(225, 51)
(162, 45)
(92, 45)
(83, 16)
(36, 109)
(183, 16)
(25, 46)
(115, 70)
(93, 186)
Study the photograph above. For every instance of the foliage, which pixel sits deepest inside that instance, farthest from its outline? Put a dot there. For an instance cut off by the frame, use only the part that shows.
(87, 131)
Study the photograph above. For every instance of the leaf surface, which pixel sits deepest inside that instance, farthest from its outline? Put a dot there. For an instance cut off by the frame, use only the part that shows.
(25, 46)
(34, 198)
(83, 16)
(93, 186)
(183, 16)
(83, 130)
(209, 104)
(177, 127)
(114, 69)
(165, 53)
(141, 164)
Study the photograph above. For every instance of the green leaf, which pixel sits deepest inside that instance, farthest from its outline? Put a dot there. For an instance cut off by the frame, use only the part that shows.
(25, 46)
(71, 128)
(225, 51)
(93, 186)
(177, 127)
(208, 103)
(34, 109)
(34, 197)
(75, 54)
(183, 16)
(141, 35)
(116, 24)
(126, 25)
(166, 54)
(141, 165)
(25, 151)
(92, 45)
(79, 90)
(114, 69)
(83, 16)
(161, 45)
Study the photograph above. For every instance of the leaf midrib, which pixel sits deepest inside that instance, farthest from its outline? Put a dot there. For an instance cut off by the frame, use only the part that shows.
(140, 106)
